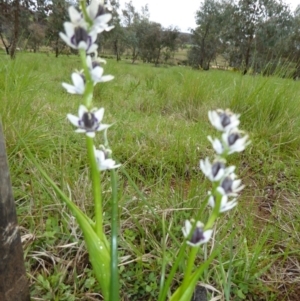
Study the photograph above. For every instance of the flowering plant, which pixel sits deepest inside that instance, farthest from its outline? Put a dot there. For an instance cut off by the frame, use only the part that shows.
(81, 34)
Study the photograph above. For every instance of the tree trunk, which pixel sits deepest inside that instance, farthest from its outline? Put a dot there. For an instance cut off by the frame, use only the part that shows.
(135, 55)
(13, 280)
(247, 56)
(157, 58)
(4, 44)
(56, 46)
(117, 50)
(16, 29)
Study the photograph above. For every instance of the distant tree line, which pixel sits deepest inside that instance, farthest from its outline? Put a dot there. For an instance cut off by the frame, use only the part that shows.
(137, 36)
(31, 24)
(256, 35)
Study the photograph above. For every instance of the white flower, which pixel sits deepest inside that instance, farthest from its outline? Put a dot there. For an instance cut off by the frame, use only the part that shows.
(199, 236)
(223, 120)
(78, 37)
(78, 84)
(217, 145)
(234, 141)
(215, 171)
(96, 58)
(229, 186)
(88, 122)
(96, 12)
(225, 203)
(97, 71)
(103, 159)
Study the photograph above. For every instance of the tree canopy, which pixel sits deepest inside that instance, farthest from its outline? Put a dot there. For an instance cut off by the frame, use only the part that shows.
(254, 34)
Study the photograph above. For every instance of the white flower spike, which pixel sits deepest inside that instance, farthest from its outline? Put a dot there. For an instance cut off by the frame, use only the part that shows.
(215, 171)
(104, 162)
(88, 122)
(199, 236)
(223, 120)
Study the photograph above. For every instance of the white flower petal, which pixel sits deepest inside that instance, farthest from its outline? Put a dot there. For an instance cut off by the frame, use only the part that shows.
(92, 9)
(99, 114)
(82, 45)
(73, 119)
(187, 228)
(211, 201)
(109, 28)
(107, 78)
(207, 235)
(70, 89)
(92, 48)
(104, 163)
(217, 145)
(103, 19)
(80, 131)
(69, 29)
(82, 109)
(228, 205)
(89, 62)
(66, 39)
(75, 16)
(78, 82)
(91, 134)
(103, 127)
(100, 60)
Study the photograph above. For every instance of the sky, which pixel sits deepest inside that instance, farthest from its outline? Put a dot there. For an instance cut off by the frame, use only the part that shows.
(176, 12)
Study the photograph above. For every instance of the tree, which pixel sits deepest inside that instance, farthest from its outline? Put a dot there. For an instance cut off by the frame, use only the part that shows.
(136, 26)
(206, 37)
(294, 42)
(58, 14)
(256, 33)
(13, 12)
(37, 35)
(170, 41)
(130, 15)
(272, 36)
(247, 33)
(154, 40)
(115, 38)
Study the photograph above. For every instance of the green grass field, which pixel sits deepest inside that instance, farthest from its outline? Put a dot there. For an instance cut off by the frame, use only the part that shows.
(159, 135)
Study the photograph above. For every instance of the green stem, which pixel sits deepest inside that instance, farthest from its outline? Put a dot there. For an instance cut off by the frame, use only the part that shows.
(84, 12)
(96, 187)
(164, 291)
(189, 269)
(216, 211)
(163, 267)
(89, 85)
(114, 277)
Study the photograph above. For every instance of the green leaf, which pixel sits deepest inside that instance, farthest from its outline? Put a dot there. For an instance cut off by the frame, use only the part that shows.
(240, 294)
(98, 250)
